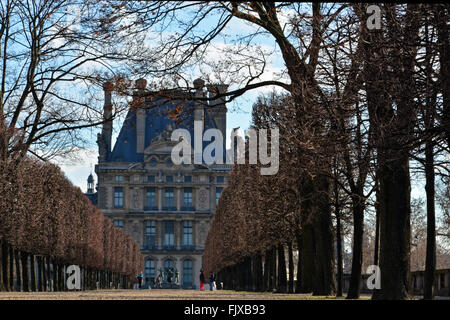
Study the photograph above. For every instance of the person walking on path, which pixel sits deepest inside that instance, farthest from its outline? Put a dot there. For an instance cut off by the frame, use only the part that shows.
(160, 281)
(202, 280)
(212, 279)
(140, 276)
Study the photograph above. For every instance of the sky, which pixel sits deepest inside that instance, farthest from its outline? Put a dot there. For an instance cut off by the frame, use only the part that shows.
(78, 171)
(239, 111)
(239, 114)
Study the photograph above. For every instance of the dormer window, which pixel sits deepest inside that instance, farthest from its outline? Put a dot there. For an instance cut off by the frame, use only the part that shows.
(153, 162)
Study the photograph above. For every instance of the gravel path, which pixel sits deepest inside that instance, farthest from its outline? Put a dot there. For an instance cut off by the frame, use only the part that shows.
(162, 294)
(157, 294)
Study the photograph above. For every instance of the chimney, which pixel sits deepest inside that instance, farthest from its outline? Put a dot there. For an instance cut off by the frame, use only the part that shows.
(218, 109)
(107, 116)
(199, 93)
(141, 85)
(199, 120)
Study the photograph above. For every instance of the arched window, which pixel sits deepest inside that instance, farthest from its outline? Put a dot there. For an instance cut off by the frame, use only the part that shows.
(187, 273)
(168, 264)
(169, 270)
(150, 271)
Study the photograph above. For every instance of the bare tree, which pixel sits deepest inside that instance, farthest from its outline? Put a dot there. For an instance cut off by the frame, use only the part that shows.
(51, 72)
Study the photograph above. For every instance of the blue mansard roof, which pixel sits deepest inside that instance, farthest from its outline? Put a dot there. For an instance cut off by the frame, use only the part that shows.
(157, 119)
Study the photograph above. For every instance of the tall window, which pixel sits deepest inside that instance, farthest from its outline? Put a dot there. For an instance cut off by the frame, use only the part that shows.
(188, 197)
(169, 233)
(168, 197)
(169, 178)
(151, 179)
(150, 234)
(118, 197)
(150, 197)
(118, 178)
(218, 193)
(118, 223)
(168, 264)
(187, 233)
(187, 272)
(188, 179)
(149, 270)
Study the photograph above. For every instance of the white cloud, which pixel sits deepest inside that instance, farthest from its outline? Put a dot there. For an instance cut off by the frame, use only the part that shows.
(77, 171)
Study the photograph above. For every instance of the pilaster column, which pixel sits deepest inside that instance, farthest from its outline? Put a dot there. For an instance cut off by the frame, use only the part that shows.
(160, 198)
(179, 195)
(181, 232)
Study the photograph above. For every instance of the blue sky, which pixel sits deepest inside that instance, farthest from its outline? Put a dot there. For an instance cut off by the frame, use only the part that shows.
(239, 114)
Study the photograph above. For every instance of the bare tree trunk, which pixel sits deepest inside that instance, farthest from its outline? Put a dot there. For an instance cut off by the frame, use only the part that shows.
(377, 226)
(271, 269)
(18, 273)
(44, 274)
(49, 284)
(39, 273)
(298, 287)
(357, 258)
(324, 273)
(55, 275)
(258, 264)
(430, 262)
(5, 273)
(33, 272)
(266, 271)
(60, 277)
(395, 231)
(306, 259)
(249, 274)
(2, 288)
(291, 268)
(274, 269)
(339, 253)
(24, 258)
(11, 268)
(282, 278)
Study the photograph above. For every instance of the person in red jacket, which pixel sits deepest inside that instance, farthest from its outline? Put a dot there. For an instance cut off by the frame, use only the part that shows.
(202, 280)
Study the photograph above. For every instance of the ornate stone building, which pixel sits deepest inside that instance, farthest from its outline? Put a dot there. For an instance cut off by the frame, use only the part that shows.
(167, 208)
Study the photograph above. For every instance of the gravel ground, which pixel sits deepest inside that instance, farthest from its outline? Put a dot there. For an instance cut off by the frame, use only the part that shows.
(158, 294)
(162, 294)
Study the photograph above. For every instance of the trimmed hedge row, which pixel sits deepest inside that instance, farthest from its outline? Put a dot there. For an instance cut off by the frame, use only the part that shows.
(44, 218)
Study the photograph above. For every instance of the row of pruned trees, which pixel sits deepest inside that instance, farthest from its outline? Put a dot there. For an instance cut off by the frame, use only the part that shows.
(376, 102)
(260, 221)
(47, 224)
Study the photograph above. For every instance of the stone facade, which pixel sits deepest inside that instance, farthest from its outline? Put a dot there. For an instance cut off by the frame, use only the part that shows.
(167, 208)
